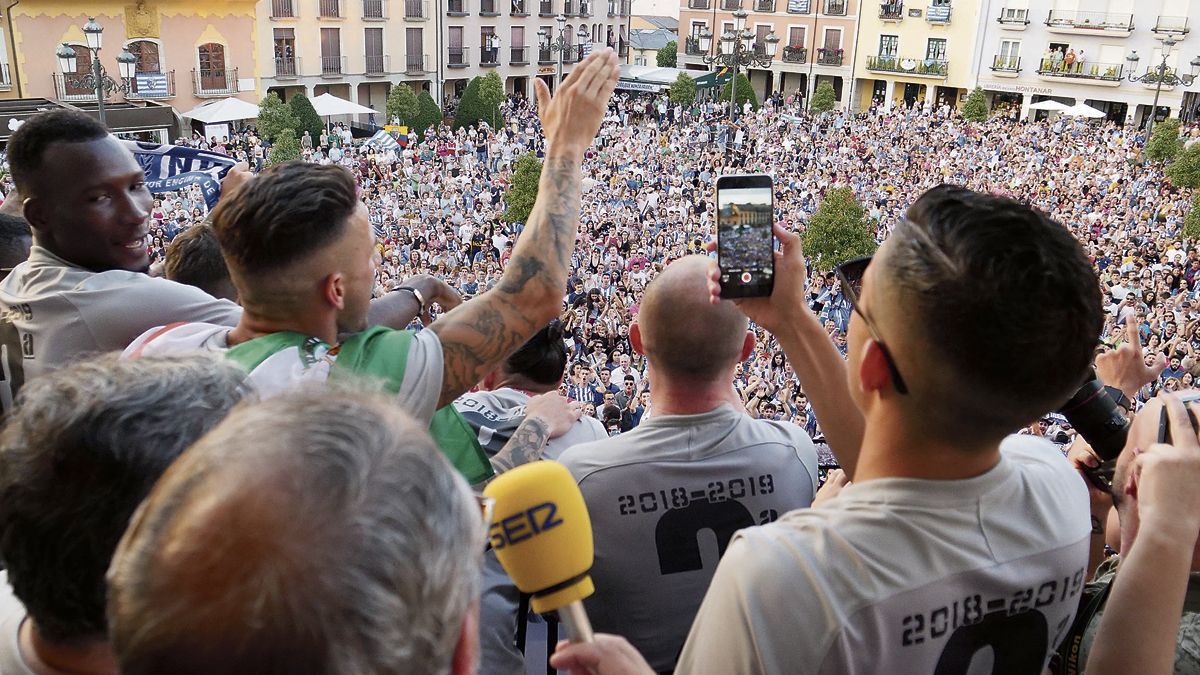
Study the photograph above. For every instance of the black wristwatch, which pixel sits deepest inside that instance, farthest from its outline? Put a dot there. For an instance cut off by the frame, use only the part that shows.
(415, 293)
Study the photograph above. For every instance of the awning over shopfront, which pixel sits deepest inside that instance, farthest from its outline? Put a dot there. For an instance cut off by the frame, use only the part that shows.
(655, 79)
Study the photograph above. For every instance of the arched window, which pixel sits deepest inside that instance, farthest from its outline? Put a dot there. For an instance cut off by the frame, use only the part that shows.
(212, 67)
(147, 56)
(83, 66)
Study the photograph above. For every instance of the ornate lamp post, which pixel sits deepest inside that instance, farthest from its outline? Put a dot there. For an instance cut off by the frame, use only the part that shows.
(1159, 75)
(561, 44)
(738, 50)
(98, 79)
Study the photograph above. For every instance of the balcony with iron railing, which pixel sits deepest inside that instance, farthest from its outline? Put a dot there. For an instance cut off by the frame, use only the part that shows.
(70, 93)
(287, 67)
(585, 8)
(795, 54)
(414, 64)
(1006, 66)
(1171, 25)
(568, 8)
(1108, 74)
(626, 7)
(546, 8)
(333, 65)
(329, 9)
(691, 47)
(519, 8)
(456, 7)
(937, 68)
(283, 9)
(891, 11)
(698, 4)
(937, 14)
(144, 86)
(374, 10)
(1013, 18)
(835, 7)
(546, 56)
(6, 81)
(488, 8)
(376, 64)
(764, 6)
(518, 56)
(215, 83)
(458, 57)
(416, 10)
(489, 56)
(727, 5)
(830, 56)
(623, 49)
(1088, 23)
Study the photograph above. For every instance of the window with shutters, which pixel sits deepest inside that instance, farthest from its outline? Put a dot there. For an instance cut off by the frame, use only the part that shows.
(212, 67)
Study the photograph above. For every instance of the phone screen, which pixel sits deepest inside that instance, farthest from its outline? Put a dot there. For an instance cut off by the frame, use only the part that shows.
(745, 242)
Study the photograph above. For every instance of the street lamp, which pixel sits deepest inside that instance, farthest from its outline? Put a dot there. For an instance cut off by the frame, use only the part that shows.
(737, 49)
(98, 79)
(1160, 75)
(561, 43)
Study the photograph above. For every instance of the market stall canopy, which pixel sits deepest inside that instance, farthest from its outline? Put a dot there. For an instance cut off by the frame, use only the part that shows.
(1051, 105)
(1083, 110)
(328, 105)
(223, 110)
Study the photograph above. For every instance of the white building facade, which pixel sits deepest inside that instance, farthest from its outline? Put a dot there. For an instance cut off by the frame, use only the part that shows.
(1077, 51)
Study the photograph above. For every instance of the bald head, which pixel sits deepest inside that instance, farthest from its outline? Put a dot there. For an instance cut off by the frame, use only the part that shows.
(684, 334)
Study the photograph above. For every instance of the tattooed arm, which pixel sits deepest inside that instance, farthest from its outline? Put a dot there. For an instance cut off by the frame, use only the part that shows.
(546, 416)
(479, 334)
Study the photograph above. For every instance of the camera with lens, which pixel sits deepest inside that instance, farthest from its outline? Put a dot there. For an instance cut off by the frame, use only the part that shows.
(1095, 413)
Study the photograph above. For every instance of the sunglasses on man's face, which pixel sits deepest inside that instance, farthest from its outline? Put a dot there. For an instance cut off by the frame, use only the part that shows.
(850, 274)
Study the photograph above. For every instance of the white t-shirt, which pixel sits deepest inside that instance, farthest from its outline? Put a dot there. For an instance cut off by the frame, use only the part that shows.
(12, 615)
(906, 576)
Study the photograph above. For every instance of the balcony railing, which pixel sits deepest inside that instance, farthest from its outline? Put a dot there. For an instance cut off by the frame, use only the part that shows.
(830, 57)
(333, 65)
(65, 92)
(519, 8)
(1014, 16)
(568, 8)
(283, 9)
(795, 54)
(612, 7)
(573, 54)
(518, 56)
(414, 64)
(546, 56)
(330, 9)
(1110, 72)
(456, 7)
(287, 67)
(144, 86)
(488, 8)
(1171, 25)
(585, 8)
(893, 11)
(376, 64)
(895, 64)
(623, 49)
(458, 57)
(1060, 18)
(6, 81)
(416, 10)
(489, 56)
(374, 10)
(764, 6)
(691, 47)
(215, 83)
(729, 5)
(1006, 64)
(698, 4)
(545, 8)
(937, 14)
(835, 7)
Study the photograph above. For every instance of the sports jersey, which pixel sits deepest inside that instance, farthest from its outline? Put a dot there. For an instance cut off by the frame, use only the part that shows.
(55, 312)
(406, 364)
(665, 499)
(902, 575)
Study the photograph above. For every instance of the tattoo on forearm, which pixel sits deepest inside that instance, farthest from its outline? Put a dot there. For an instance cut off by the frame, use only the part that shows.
(526, 445)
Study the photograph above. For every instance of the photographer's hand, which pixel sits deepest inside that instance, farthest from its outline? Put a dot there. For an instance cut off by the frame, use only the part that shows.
(1125, 367)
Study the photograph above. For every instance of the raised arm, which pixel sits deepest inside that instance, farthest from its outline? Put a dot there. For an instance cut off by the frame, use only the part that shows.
(481, 333)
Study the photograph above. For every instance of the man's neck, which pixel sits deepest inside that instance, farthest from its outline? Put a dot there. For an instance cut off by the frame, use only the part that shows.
(689, 398)
(91, 657)
(890, 450)
(253, 326)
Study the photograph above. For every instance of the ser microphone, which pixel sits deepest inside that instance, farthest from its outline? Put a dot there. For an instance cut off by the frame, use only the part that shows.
(542, 535)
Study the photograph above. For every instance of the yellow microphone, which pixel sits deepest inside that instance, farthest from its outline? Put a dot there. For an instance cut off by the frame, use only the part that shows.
(542, 535)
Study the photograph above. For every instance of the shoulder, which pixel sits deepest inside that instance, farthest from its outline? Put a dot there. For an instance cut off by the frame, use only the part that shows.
(173, 338)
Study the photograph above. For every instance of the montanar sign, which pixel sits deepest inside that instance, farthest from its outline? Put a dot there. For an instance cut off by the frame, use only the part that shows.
(716, 78)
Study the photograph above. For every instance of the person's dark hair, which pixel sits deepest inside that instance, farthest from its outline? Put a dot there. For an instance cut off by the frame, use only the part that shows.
(543, 359)
(81, 451)
(288, 212)
(15, 239)
(29, 142)
(1004, 296)
(194, 258)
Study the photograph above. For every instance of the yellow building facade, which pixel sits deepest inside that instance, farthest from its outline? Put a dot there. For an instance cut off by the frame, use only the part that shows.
(916, 53)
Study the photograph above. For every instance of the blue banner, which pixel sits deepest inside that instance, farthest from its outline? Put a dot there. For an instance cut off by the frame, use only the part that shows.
(151, 84)
(175, 167)
(798, 6)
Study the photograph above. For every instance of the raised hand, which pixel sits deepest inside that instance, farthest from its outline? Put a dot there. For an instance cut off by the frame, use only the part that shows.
(1124, 367)
(572, 116)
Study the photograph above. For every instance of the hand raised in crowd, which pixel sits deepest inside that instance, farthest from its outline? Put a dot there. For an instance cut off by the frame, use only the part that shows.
(237, 175)
(834, 482)
(558, 413)
(1125, 367)
(433, 290)
(571, 117)
(607, 655)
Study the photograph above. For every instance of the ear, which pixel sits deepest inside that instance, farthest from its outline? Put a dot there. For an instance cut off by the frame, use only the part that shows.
(873, 373)
(36, 213)
(747, 345)
(488, 382)
(333, 290)
(466, 649)
(635, 338)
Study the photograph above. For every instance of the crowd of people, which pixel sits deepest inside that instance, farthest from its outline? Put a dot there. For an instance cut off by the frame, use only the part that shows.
(346, 345)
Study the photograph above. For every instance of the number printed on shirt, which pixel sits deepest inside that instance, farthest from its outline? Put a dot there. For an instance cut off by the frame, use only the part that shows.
(717, 491)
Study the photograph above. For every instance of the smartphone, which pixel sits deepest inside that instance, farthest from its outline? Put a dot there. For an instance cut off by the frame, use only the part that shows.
(745, 241)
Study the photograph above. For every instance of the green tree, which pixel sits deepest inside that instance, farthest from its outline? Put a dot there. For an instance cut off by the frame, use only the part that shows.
(470, 108)
(1165, 142)
(975, 109)
(306, 116)
(273, 116)
(1184, 172)
(430, 114)
(682, 90)
(838, 231)
(491, 95)
(402, 105)
(823, 99)
(285, 148)
(1191, 222)
(745, 92)
(522, 188)
(668, 55)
